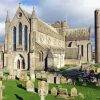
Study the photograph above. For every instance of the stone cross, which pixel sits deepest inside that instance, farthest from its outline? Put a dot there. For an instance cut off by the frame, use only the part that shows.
(42, 94)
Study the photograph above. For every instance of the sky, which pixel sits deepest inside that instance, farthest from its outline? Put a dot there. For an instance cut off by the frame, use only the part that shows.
(77, 13)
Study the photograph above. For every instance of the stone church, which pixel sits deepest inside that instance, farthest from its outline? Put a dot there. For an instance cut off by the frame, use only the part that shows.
(30, 43)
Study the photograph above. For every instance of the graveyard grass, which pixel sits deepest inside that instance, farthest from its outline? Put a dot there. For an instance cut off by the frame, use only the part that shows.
(13, 92)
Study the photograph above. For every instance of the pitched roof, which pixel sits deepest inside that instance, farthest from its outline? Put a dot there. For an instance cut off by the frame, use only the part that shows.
(78, 34)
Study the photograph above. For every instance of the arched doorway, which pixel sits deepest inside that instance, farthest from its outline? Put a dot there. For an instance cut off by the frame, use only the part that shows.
(49, 61)
(19, 62)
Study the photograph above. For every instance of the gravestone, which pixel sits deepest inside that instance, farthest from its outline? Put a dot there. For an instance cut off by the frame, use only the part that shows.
(43, 74)
(63, 79)
(32, 75)
(81, 95)
(18, 73)
(43, 85)
(58, 80)
(38, 75)
(23, 75)
(50, 78)
(29, 86)
(98, 70)
(42, 94)
(69, 81)
(73, 92)
(54, 91)
(63, 91)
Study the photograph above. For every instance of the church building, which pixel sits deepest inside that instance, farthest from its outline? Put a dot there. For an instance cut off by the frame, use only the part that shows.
(30, 43)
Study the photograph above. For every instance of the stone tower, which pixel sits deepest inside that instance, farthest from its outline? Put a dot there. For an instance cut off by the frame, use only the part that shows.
(97, 36)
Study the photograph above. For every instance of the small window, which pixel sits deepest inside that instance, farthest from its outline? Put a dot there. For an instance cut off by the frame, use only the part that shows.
(20, 14)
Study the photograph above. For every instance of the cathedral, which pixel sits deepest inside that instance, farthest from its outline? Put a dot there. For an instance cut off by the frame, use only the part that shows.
(30, 43)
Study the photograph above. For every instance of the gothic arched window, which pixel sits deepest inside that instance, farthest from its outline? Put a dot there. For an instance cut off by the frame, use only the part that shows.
(14, 38)
(20, 33)
(25, 36)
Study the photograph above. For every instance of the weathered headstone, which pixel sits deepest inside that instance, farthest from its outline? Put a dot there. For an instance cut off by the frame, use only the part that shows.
(43, 85)
(98, 70)
(29, 86)
(32, 75)
(58, 80)
(54, 91)
(69, 81)
(43, 74)
(50, 78)
(18, 73)
(73, 92)
(81, 95)
(63, 91)
(38, 75)
(63, 79)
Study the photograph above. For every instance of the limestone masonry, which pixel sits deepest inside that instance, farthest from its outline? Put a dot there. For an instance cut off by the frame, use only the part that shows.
(30, 43)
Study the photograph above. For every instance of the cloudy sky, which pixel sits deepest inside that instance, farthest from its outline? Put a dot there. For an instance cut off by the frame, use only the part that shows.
(77, 13)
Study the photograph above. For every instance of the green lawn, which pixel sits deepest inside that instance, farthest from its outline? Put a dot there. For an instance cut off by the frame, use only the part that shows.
(13, 92)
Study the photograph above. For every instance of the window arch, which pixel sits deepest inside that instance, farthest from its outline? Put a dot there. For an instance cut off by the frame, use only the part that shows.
(20, 33)
(14, 38)
(25, 36)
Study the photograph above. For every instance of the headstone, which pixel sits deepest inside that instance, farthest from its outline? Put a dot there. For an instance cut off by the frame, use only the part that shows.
(43, 85)
(69, 81)
(23, 75)
(58, 80)
(81, 95)
(32, 75)
(63, 80)
(42, 94)
(98, 70)
(43, 74)
(54, 91)
(18, 73)
(29, 86)
(38, 75)
(50, 78)
(73, 92)
(63, 91)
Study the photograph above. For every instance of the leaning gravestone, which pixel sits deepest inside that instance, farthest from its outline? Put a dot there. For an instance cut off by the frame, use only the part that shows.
(50, 78)
(74, 92)
(54, 91)
(29, 86)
